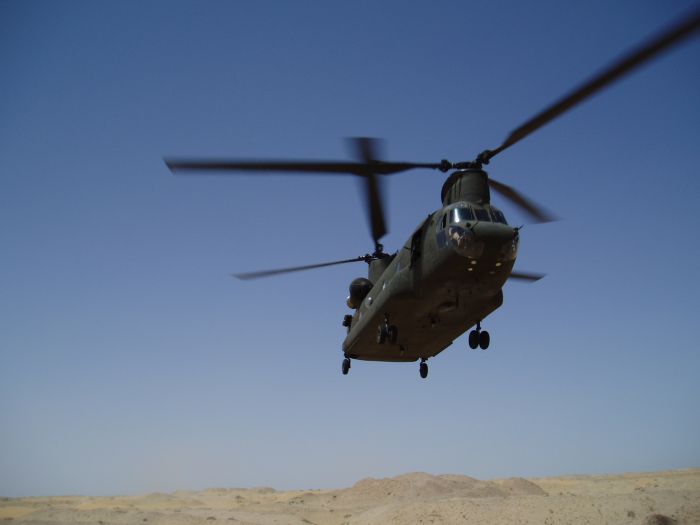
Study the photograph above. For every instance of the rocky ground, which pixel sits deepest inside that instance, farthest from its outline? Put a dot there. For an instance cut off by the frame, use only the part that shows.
(659, 498)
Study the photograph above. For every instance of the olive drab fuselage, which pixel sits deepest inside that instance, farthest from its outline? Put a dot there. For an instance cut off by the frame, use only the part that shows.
(447, 277)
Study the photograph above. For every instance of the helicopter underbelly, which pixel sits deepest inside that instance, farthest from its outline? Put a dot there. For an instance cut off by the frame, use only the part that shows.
(427, 324)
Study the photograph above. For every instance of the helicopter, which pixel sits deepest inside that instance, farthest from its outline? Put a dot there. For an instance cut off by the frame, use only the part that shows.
(448, 276)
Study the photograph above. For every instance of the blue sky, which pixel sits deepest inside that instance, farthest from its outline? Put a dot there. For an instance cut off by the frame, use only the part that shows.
(132, 361)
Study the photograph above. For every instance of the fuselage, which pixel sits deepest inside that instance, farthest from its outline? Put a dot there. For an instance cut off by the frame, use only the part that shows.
(446, 278)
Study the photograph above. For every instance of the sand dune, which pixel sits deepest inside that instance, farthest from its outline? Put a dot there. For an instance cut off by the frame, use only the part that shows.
(659, 498)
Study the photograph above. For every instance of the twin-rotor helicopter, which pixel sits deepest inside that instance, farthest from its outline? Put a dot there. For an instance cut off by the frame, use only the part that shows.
(449, 274)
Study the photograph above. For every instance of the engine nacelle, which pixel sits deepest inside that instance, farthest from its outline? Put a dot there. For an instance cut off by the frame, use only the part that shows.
(359, 288)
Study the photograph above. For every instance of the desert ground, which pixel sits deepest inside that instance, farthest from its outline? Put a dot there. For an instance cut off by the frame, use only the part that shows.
(658, 498)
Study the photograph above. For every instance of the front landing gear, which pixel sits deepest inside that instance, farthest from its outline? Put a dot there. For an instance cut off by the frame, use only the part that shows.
(346, 366)
(423, 368)
(478, 338)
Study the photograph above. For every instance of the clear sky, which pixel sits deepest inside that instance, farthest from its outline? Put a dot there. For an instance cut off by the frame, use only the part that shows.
(131, 361)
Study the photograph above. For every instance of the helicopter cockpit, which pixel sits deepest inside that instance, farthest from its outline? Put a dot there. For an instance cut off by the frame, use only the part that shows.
(463, 213)
(457, 229)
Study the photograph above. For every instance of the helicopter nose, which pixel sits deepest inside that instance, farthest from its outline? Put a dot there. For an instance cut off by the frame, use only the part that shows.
(484, 240)
(494, 232)
(500, 240)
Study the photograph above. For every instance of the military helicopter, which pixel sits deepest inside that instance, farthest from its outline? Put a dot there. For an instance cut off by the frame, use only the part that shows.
(448, 276)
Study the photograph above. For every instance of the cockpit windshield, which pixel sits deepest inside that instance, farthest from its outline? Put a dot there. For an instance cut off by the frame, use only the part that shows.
(467, 213)
(482, 215)
(461, 215)
(498, 216)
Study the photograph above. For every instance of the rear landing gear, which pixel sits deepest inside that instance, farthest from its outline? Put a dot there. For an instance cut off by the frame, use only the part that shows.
(346, 366)
(478, 338)
(423, 369)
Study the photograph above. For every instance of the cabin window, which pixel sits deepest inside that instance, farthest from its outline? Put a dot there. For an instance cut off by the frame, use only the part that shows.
(497, 216)
(415, 247)
(462, 214)
(482, 215)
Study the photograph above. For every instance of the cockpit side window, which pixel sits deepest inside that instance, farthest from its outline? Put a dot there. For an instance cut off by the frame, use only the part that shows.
(498, 216)
(444, 221)
(482, 215)
(461, 214)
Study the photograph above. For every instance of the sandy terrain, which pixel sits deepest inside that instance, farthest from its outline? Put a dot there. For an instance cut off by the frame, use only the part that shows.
(657, 498)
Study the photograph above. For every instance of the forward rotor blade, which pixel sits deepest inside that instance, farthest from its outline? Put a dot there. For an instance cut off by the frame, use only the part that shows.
(375, 207)
(535, 211)
(366, 150)
(638, 56)
(531, 277)
(222, 166)
(269, 273)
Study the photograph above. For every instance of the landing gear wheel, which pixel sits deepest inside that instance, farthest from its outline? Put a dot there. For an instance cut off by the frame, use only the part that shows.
(382, 333)
(392, 334)
(346, 366)
(473, 339)
(484, 340)
(423, 369)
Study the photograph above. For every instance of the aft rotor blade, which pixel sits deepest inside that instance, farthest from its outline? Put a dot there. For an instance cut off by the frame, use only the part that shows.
(269, 273)
(231, 166)
(531, 277)
(652, 47)
(366, 150)
(535, 211)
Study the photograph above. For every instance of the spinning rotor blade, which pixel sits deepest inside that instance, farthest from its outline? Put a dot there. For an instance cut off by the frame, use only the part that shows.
(367, 167)
(531, 277)
(269, 273)
(643, 53)
(291, 166)
(366, 150)
(537, 212)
